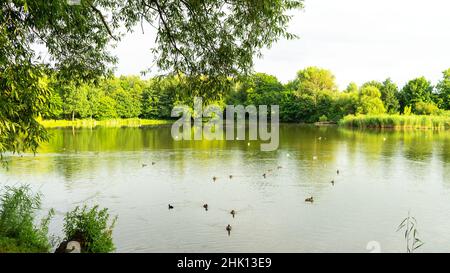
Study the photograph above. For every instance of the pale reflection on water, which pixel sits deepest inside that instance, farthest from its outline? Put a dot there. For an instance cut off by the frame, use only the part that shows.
(383, 175)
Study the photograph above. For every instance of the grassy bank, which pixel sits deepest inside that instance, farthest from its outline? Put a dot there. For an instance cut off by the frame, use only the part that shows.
(397, 121)
(89, 123)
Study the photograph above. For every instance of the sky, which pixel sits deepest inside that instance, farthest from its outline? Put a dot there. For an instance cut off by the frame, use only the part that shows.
(358, 40)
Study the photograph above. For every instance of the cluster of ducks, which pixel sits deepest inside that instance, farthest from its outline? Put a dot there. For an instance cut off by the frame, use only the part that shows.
(311, 199)
(233, 212)
(205, 206)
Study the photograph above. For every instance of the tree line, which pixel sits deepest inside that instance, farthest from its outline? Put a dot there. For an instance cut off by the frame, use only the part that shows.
(312, 96)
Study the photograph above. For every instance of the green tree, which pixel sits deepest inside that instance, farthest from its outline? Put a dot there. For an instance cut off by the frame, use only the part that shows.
(352, 88)
(416, 90)
(263, 89)
(194, 38)
(443, 89)
(389, 96)
(370, 102)
(313, 79)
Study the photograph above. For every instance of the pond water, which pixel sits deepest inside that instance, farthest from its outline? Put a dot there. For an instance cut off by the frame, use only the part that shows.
(383, 176)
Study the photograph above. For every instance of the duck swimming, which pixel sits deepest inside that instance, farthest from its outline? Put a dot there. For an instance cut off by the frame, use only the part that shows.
(231, 176)
(205, 206)
(233, 212)
(310, 199)
(337, 171)
(228, 228)
(214, 178)
(170, 206)
(144, 165)
(264, 175)
(332, 182)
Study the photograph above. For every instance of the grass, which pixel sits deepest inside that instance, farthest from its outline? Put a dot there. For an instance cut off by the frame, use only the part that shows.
(397, 121)
(18, 231)
(89, 123)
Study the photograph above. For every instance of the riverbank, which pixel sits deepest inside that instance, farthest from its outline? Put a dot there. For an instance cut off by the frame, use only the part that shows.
(89, 123)
(397, 121)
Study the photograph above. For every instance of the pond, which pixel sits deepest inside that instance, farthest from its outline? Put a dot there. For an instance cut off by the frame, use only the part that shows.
(383, 175)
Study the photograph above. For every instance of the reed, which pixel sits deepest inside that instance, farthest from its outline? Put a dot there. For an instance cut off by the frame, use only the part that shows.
(90, 123)
(397, 121)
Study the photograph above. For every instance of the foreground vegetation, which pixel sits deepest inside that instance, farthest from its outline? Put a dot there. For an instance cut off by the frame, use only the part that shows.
(19, 232)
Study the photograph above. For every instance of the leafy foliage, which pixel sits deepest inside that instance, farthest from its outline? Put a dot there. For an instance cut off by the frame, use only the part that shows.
(207, 41)
(91, 228)
(18, 232)
(443, 89)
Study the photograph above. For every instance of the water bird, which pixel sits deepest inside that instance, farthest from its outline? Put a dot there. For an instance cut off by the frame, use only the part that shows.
(232, 212)
(205, 206)
(264, 175)
(279, 167)
(170, 206)
(310, 199)
(214, 178)
(153, 163)
(228, 228)
(332, 182)
(337, 171)
(231, 176)
(144, 165)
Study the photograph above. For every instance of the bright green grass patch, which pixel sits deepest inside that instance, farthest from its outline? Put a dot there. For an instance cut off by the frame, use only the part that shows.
(397, 121)
(89, 123)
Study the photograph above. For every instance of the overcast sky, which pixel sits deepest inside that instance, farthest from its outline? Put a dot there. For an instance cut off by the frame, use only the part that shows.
(358, 40)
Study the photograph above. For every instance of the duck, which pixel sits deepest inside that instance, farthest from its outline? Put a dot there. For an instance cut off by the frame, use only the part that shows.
(233, 212)
(170, 206)
(332, 182)
(231, 176)
(337, 171)
(228, 228)
(205, 206)
(214, 178)
(153, 163)
(310, 199)
(264, 175)
(144, 165)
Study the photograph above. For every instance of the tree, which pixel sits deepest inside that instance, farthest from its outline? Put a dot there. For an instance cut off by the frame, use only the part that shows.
(443, 89)
(416, 90)
(314, 79)
(263, 89)
(370, 102)
(389, 94)
(213, 38)
(352, 88)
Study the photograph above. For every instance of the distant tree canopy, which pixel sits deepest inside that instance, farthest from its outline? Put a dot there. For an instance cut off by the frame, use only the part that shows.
(132, 97)
(216, 39)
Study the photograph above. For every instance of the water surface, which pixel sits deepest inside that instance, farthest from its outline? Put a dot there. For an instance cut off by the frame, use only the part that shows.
(383, 175)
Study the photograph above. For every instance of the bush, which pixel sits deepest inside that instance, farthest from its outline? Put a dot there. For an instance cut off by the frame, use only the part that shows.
(90, 228)
(425, 108)
(17, 216)
(323, 118)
